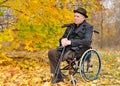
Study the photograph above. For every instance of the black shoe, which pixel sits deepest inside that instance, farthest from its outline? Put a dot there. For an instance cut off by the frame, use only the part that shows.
(58, 79)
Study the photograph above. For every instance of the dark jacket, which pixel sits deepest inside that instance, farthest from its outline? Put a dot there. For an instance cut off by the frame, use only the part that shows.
(79, 36)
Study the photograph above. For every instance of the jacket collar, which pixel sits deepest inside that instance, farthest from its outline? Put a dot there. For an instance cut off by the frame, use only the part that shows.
(79, 24)
(81, 27)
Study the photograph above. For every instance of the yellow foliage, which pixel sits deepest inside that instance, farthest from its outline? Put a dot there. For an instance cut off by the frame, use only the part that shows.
(7, 35)
(4, 59)
(39, 21)
(28, 46)
(0, 46)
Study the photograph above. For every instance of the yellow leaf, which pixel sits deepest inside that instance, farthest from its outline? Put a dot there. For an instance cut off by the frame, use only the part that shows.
(47, 84)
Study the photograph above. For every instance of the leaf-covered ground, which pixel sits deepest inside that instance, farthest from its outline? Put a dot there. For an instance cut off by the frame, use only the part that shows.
(32, 69)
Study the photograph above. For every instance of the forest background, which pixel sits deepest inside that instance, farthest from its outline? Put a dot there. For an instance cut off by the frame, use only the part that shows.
(29, 28)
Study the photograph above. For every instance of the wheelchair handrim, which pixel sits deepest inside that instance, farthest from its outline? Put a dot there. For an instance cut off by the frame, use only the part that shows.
(82, 73)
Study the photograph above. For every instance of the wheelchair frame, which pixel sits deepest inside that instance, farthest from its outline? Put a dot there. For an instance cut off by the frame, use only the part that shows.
(77, 66)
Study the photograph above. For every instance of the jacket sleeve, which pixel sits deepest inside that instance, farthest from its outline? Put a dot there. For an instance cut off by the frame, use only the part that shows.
(64, 35)
(84, 41)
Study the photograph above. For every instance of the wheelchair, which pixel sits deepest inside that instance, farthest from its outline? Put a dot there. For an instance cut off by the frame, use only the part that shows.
(88, 66)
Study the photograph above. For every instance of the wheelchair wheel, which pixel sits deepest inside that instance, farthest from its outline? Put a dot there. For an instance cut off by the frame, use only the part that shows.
(90, 65)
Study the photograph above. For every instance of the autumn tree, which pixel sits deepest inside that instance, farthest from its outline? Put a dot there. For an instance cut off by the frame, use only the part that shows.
(37, 21)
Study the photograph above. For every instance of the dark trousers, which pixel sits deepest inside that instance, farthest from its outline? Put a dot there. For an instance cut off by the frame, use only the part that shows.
(54, 56)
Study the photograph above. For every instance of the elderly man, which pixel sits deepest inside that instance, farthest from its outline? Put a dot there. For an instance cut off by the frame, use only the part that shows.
(78, 41)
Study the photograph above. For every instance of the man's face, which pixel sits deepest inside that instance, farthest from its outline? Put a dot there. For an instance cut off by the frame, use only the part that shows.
(78, 18)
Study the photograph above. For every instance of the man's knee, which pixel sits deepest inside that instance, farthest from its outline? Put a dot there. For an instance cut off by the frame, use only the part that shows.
(51, 52)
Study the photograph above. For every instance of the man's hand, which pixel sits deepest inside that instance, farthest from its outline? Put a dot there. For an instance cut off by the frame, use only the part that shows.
(65, 42)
